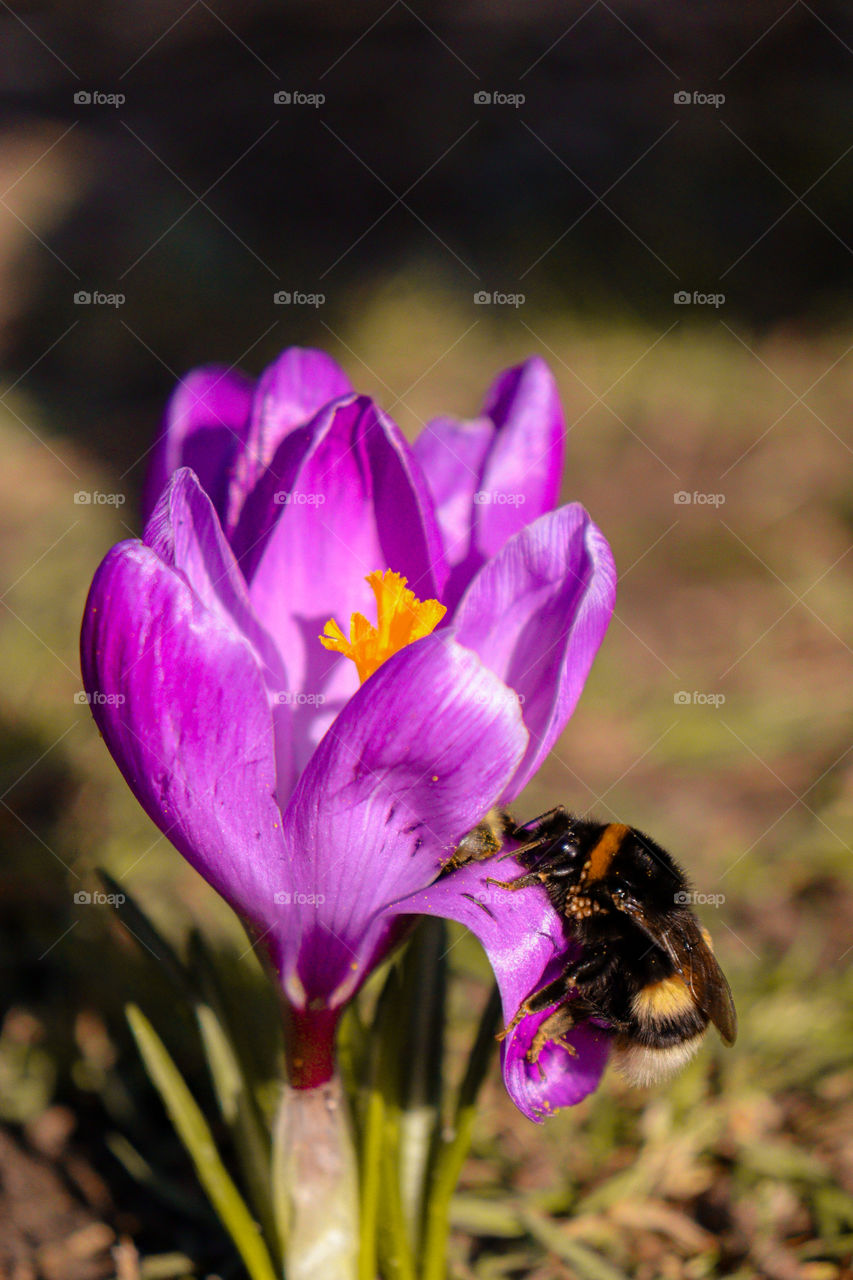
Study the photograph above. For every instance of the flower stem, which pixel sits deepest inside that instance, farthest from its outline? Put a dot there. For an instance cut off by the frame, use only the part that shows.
(309, 1037)
(315, 1183)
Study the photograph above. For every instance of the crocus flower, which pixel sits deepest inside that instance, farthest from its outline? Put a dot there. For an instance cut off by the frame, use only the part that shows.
(320, 787)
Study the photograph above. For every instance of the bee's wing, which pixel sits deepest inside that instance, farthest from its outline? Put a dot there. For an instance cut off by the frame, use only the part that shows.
(688, 949)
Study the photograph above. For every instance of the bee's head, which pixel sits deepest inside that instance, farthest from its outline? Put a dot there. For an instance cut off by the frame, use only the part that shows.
(562, 856)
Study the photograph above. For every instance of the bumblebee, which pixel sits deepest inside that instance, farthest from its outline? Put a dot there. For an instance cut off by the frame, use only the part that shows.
(647, 971)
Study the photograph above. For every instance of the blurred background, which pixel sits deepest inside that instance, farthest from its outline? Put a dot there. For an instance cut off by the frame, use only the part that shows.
(656, 199)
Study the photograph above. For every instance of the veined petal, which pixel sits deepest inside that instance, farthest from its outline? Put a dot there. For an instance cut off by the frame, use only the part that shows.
(205, 428)
(536, 615)
(289, 393)
(524, 940)
(357, 503)
(186, 535)
(179, 697)
(409, 766)
(494, 474)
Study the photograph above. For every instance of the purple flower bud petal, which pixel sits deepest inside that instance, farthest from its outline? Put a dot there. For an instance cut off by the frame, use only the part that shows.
(536, 614)
(186, 535)
(179, 696)
(205, 428)
(496, 473)
(289, 393)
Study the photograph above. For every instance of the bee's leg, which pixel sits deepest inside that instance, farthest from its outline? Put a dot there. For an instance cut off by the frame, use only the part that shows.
(591, 965)
(520, 882)
(556, 1025)
(533, 1004)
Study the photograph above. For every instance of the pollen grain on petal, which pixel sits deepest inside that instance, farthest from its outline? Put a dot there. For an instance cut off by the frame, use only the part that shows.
(400, 619)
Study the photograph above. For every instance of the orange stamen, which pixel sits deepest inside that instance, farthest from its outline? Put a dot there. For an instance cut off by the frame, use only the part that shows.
(400, 619)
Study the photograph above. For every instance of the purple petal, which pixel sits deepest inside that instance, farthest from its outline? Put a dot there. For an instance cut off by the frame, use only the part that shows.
(526, 462)
(205, 426)
(185, 533)
(357, 503)
(289, 393)
(179, 697)
(412, 763)
(536, 615)
(524, 940)
(493, 475)
(565, 1078)
(452, 452)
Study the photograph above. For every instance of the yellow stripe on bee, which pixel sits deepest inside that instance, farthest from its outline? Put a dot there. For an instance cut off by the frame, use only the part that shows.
(665, 999)
(605, 851)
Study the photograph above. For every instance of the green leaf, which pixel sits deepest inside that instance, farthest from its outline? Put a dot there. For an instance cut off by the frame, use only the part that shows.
(171, 1193)
(198, 1140)
(451, 1154)
(384, 1220)
(233, 1085)
(165, 1266)
(423, 973)
(371, 1161)
(477, 1216)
